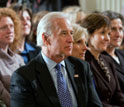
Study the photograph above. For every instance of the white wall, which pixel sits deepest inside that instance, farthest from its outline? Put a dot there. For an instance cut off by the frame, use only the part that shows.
(101, 5)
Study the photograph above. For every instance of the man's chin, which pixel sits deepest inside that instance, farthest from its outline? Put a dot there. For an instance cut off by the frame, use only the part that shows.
(68, 54)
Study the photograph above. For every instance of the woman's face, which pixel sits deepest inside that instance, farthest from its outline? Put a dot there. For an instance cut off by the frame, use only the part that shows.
(100, 39)
(116, 34)
(6, 31)
(79, 48)
(26, 22)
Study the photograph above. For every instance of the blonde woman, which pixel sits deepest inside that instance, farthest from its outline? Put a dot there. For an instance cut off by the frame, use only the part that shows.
(80, 39)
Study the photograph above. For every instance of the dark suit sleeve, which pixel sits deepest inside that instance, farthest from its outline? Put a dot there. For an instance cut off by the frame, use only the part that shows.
(20, 91)
(93, 99)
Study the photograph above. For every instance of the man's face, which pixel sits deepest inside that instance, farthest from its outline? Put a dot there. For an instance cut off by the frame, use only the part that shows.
(61, 40)
(6, 31)
(116, 34)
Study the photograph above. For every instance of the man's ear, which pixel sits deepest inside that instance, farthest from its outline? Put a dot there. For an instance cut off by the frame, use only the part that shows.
(45, 38)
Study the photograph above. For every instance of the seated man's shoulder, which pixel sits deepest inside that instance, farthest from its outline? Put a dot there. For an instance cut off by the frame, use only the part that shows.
(27, 70)
(77, 61)
(80, 66)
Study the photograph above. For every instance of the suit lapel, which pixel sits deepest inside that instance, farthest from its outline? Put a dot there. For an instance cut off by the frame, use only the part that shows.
(76, 83)
(46, 81)
(70, 71)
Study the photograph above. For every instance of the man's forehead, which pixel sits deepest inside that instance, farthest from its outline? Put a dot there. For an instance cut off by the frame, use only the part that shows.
(62, 23)
(61, 20)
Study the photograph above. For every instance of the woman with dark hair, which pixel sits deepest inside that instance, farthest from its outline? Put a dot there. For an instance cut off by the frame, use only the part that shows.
(116, 39)
(27, 50)
(106, 82)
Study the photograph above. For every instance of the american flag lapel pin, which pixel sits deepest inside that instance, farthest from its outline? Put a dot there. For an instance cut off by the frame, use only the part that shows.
(76, 75)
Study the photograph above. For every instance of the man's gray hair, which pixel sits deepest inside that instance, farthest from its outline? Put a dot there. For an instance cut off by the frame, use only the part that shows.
(45, 25)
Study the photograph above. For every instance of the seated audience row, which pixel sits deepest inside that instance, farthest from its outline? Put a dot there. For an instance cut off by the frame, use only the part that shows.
(54, 78)
(104, 72)
(37, 83)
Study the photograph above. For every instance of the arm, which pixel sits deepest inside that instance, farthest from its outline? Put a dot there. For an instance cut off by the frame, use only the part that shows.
(21, 92)
(93, 99)
(4, 94)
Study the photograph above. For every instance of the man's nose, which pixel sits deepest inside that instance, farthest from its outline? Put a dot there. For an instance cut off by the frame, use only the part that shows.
(70, 38)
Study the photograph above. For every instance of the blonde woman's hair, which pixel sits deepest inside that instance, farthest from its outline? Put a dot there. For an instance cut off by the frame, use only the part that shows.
(79, 32)
(7, 12)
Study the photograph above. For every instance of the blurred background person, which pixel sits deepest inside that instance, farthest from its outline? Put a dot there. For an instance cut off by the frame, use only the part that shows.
(6, 3)
(47, 5)
(80, 40)
(74, 13)
(36, 18)
(106, 82)
(9, 41)
(116, 39)
(27, 50)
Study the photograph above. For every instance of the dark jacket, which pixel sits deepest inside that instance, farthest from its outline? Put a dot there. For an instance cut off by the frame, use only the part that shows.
(109, 92)
(30, 51)
(119, 67)
(32, 85)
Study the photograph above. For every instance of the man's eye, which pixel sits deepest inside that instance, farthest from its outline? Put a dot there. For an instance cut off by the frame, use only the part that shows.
(113, 29)
(78, 42)
(64, 33)
(103, 32)
(72, 33)
(120, 29)
(4, 27)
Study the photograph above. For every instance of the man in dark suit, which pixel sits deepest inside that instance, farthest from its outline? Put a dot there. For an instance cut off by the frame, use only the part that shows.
(36, 84)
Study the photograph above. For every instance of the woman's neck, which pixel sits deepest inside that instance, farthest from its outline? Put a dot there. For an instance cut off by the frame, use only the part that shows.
(111, 51)
(4, 47)
(95, 53)
(21, 47)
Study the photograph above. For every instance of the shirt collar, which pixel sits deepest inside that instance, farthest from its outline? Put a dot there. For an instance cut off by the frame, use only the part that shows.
(3, 53)
(28, 48)
(50, 63)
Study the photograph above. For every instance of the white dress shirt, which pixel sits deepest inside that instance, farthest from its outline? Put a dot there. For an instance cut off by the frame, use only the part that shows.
(51, 67)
